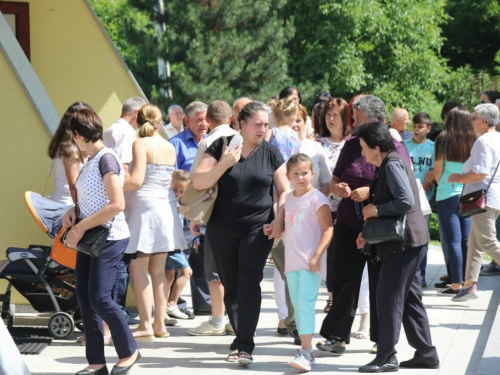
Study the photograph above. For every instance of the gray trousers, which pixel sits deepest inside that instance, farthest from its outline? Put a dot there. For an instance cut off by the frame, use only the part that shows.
(278, 254)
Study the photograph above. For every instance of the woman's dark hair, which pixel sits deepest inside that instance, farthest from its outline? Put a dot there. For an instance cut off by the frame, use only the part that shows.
(457, 138)
(317, 117)
(86, 122)
(62, 143)
(447, 107)
(421, 118)
(322, 97)
(492, 95)
(287, 91)
(376, 134)
(343, 108)
(250, 109)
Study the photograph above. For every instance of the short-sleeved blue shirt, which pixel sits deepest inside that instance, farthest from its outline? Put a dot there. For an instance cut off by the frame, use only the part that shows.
(422, 158)
(185, 149)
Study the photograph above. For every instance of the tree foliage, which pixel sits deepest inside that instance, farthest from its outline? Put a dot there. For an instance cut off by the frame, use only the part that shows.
(132, 31)
(414, 54)
(224, 49)
(388, 48)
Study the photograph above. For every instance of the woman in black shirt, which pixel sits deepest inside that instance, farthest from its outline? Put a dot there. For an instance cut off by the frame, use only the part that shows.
(244, 205)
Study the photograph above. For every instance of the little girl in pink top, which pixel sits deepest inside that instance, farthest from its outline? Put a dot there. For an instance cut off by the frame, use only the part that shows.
(308, 232)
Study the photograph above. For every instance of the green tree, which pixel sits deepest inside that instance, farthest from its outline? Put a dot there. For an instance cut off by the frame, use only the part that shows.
(132, 31)
(387, 48)
(472, 34)
(223, 49)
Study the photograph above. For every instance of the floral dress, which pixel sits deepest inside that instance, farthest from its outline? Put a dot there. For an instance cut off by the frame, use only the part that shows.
(287, 142)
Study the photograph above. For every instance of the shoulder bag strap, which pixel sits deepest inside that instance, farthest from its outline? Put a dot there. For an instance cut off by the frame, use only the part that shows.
(492, 177)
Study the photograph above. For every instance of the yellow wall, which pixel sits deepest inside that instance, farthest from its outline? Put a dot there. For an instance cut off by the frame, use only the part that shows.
(23, 165)
(74, 60)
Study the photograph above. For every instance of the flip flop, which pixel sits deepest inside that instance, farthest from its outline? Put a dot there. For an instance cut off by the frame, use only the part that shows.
(232, 357)
(244, 358)
(163, 335)
(361, 335)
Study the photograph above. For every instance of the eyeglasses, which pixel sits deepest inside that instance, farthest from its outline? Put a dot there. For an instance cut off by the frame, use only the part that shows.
(482, 102)
(327, 94)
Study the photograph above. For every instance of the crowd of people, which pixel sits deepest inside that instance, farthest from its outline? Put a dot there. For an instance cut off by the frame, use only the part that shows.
(297, 187)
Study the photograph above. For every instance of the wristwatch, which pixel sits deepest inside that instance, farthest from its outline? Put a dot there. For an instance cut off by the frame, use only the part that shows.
(376, 211)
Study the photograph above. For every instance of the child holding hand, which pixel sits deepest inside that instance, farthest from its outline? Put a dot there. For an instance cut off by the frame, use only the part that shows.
(308, 232)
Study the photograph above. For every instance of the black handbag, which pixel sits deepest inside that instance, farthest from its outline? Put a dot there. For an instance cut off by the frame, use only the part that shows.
(92, 241)
(384, 229)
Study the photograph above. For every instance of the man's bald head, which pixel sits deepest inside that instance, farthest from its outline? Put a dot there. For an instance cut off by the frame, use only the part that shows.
(237, 106)
(400, 119)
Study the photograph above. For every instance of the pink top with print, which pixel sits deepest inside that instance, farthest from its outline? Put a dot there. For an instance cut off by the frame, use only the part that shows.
(303, 231)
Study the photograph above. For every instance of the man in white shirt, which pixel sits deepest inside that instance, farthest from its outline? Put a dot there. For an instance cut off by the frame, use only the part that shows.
(175, 117)
(121, 135)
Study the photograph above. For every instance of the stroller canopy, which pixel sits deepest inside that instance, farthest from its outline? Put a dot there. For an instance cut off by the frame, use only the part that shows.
(47, 213)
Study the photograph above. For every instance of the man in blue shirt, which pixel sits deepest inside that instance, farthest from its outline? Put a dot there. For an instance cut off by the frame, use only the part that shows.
(186, 142)
(186, 145)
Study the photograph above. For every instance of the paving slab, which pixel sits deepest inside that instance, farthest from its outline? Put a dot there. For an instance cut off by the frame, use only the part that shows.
(461, 333)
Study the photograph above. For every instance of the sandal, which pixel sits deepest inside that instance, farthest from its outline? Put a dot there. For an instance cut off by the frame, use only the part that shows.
(328, 305)
(244, 358)
(162, 335)
(232, 357)
(361, 335)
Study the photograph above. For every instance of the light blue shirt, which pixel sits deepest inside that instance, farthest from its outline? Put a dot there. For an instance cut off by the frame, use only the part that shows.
(185, 149)
(422, 158)
(446, 189)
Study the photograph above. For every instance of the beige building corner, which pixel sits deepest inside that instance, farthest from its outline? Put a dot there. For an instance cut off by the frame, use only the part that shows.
(52, 53)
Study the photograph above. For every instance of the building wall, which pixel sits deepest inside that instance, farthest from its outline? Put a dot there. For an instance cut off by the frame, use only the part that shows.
(74, 61)
(23, 164)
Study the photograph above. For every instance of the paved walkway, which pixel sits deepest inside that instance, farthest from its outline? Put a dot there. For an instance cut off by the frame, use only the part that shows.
(460, 332)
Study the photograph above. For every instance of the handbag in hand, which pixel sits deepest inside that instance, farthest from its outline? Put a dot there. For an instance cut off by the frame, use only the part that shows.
(384, 229)
(475, 203)
(197, 205)
(93, 240)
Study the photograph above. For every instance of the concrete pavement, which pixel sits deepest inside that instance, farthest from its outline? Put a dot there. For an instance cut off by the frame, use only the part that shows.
(466, 336)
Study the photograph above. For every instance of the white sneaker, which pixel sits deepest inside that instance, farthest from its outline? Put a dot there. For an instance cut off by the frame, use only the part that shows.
(207, 329)
(176, 313)
(302, 360)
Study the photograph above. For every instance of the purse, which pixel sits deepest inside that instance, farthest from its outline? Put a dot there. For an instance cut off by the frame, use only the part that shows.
(92, 241)
(475, 203)
(384, 229)
(197, 205)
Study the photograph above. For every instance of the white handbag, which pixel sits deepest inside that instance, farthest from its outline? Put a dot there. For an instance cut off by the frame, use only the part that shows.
(424, 203)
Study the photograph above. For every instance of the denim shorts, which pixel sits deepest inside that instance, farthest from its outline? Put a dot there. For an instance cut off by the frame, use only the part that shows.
(176, 260)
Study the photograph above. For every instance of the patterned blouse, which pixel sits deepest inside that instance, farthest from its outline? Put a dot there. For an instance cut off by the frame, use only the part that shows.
(91, 193)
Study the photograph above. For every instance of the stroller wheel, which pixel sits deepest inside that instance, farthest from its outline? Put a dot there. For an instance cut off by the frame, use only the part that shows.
(61, 325)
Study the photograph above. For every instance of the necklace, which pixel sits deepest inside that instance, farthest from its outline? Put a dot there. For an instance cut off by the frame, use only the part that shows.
(252, 152)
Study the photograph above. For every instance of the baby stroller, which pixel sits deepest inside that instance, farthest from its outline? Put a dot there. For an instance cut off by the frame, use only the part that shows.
(44, 275)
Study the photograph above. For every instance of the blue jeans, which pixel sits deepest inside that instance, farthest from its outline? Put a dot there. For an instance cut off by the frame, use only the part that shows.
(94, 280)
(456, 232)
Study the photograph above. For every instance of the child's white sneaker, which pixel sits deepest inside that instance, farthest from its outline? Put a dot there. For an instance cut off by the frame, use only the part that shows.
(302, 360)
